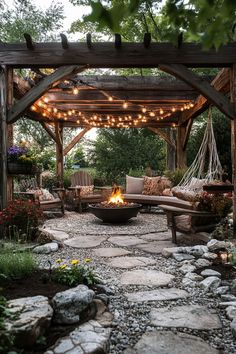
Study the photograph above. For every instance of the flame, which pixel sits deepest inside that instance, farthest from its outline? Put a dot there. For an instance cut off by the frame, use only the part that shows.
(116, 196)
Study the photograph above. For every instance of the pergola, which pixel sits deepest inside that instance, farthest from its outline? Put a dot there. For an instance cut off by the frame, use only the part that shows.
(64, 98)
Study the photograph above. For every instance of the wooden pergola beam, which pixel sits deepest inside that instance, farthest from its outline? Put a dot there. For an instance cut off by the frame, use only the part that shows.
(37, 91)
(187, 133)
(217, 98)
(75, 140)
(163, 135)
(221, 83)
(107, 55)
(49, 131)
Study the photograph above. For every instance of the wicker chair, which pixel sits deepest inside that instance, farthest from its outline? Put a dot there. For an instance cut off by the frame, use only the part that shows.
(79, 180)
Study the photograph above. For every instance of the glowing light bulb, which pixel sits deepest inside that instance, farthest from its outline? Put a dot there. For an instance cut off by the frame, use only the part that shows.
(125, 105)
(75, 91)
(161, 111)
(144, 110)
(110, 98)
(45, 99)
(33, 108)
(173, 109)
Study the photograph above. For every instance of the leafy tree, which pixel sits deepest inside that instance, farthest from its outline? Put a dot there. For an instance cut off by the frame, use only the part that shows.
(79, 157)
(26, 17)
(117, 151)
(209, 22)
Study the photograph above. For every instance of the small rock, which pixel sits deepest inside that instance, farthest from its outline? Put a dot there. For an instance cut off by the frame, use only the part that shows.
(168, 251)
(221, 290)
(103, 297)
(105, 289)
(187, 268)
(70, 303)
(198, 250)
(227, 303)
(46, 248)
(214, 245)
(228, 297)
(233, 327)
(210, 283)
(210, 273)
(193, 276)
(189, 283)
(210, 256)
(103, 316)
(201, 263)
(182, 257)
(233, 287)
(231, 312)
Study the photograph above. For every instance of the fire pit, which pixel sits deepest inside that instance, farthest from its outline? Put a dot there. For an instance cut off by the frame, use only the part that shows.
(115, 210)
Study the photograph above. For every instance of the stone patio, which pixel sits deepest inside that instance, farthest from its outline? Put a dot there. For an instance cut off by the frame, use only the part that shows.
(155, 309)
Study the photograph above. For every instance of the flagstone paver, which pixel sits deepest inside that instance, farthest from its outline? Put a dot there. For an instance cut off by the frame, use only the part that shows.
(157, 236)
(167, 342)
(125, 241)
(130, 262)
(85, 241)
(155, 247)
(190, 316)
(157, 295)
(146, 277)
(111, 252)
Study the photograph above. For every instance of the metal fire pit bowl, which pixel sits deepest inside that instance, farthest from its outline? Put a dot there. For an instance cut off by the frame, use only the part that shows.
(115, 215)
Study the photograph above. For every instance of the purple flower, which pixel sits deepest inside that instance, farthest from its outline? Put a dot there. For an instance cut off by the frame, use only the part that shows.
(14, 152)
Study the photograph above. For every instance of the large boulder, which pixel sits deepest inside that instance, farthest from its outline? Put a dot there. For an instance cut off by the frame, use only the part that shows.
(214, 245)
(33, 317)
(69, 304)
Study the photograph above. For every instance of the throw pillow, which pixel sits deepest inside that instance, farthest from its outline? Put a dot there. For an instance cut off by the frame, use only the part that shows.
(45, 195)
(152, 185)
(183, 194)
(134, 185)
(167, 192)
(86, 190)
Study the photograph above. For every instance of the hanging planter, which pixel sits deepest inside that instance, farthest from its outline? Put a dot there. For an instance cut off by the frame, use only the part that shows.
(19, 168)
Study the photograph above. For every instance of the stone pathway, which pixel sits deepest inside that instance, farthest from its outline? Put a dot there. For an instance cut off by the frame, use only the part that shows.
(155, 312)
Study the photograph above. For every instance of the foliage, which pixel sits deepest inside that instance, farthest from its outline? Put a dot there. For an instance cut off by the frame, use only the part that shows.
(175, 176)
(74, 273)
(20, 154)
(20, 219)
(79, 157)
(15, 263)
(115, 152)
(209, 22)
(223, 231)
(6, 338)
(219, 204)
(232, 257)
(26, 17)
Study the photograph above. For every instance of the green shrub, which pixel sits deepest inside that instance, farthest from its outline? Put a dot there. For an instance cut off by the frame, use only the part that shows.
(74, 273)
(175, 176)
(15, 264)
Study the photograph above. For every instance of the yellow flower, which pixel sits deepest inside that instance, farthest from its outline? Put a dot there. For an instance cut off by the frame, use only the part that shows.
(59, 260)
(74, 261)
(87, 260)
(63, 266)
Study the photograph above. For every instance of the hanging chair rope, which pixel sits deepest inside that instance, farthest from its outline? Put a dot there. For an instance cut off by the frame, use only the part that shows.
(197, 169)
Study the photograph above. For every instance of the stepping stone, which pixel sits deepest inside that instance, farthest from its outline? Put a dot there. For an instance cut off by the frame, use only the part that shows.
(159, 236)
(130, 262)
(157, 295)
(125, 241)
(155, 247)
(55, 234)
(189, 316)
(110, 252)
(85, 241)
(167, 342)
(146, 277)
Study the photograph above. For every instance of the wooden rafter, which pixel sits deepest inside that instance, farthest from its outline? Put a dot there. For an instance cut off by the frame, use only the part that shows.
(219, 100)
(164, 136)
(221, 83)
(107, 55)
(75, 140)
(187, 133)
(37, 91)
(49, 131)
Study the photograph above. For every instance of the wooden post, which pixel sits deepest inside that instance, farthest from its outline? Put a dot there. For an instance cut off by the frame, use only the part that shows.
(233, 140)
(170, 152)
(10, 130)
(181, 152)
(59, 154)
(3, 138)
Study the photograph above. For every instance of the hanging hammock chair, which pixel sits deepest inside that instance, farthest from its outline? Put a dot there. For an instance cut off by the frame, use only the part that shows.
(197, 174)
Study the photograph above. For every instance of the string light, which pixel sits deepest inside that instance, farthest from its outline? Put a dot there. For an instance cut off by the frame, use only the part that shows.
(75, 90)
(110, 98)
(144, 110)
(125, 105)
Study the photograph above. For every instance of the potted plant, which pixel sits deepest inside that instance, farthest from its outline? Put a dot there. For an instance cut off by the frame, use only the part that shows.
(20, 160)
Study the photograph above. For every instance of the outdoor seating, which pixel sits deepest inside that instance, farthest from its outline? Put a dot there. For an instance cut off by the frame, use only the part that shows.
(82, 188)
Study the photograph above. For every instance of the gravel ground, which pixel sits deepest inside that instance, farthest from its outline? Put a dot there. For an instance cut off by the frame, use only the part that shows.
(131, 320)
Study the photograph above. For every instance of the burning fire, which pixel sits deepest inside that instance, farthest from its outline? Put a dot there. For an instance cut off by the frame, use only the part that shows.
(116, 196)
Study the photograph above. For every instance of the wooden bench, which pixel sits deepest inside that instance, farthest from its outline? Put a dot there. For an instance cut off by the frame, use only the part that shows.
(172, 212)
